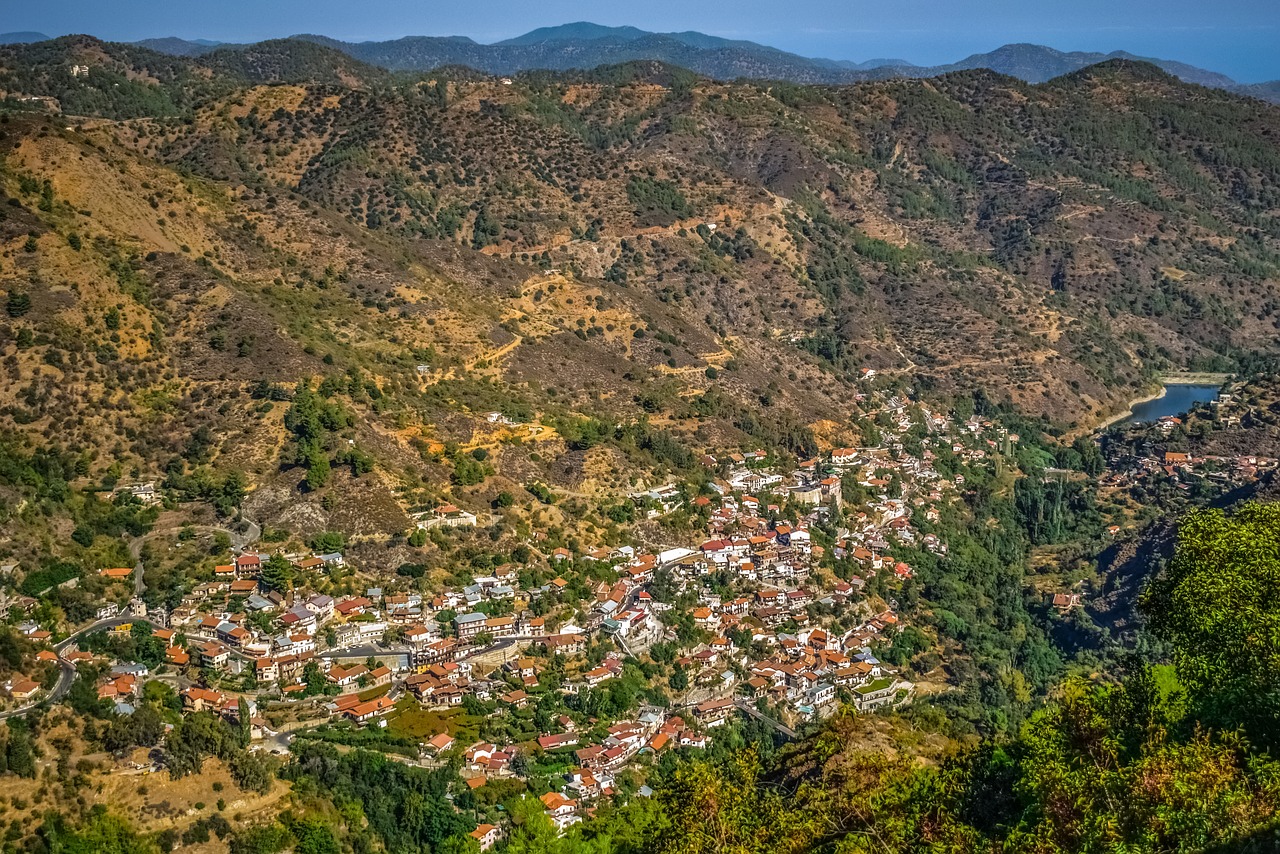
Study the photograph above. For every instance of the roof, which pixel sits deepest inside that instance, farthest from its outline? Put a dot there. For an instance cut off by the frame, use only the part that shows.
(555, 800)
(373, 707)
(713, 705)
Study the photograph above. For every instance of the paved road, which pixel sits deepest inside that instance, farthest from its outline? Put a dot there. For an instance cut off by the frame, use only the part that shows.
(68, 670)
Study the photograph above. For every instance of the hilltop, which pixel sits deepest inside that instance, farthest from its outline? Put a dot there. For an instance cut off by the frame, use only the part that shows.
(584, 46)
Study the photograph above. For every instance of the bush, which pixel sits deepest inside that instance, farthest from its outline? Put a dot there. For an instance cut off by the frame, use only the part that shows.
(541, 492)
(18, 303)
(253, 772)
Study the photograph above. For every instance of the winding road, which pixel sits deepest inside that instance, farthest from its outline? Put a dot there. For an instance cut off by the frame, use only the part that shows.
(239, 541)
(68, 670)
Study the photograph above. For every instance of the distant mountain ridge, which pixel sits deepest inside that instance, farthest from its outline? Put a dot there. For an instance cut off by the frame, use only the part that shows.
(25, 37)
(583, 46)
(586, 46)
(180, 47)
(1037, 63)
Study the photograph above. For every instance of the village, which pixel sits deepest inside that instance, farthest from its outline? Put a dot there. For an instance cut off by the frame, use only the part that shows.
(759, 618)
(1162, 452)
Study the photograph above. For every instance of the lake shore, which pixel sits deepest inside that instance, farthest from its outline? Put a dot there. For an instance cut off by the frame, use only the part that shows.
(1128, 413)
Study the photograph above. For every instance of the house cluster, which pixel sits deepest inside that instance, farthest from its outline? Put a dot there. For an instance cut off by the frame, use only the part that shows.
(1186, 469)
(594, 765)
(808, 670)
(772, 622)
(1160, 456)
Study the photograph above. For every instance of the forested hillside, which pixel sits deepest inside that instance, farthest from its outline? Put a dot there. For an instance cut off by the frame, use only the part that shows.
(1058, 241)
(586, 46)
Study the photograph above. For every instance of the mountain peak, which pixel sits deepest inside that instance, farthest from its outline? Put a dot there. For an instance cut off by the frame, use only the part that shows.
(1122, 70)
(24, 37)
(577, 31)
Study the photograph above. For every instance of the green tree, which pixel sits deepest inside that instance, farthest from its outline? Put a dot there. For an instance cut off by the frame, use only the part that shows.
(318, 470)
(313, 678)
(19, 754)
(532, 832)
(313, 836)
(244, 722)
(328, 541)
(18, 303)
(100, 833)
(1215, 604)
(277, 573)
(679, 680)
(723, 809)
(252, 772)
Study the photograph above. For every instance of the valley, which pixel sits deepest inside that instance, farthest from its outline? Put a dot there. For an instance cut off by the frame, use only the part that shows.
(421, 459)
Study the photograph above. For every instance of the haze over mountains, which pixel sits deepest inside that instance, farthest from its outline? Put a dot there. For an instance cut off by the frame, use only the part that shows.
(585, 45)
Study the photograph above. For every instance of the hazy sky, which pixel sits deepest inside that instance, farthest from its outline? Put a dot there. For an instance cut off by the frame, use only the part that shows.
(1237, 37)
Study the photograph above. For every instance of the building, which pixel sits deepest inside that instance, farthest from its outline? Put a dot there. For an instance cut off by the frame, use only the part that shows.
(500, 627)
(214, 654)
(365, 712)
(1066, 601)
(469, 625)
(23, 689)
(487, 835)
(447, 516)
(713, 712)
(440, 743)
(879, 693)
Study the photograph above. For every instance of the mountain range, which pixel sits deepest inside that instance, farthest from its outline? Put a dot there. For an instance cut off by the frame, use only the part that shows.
(586, 45)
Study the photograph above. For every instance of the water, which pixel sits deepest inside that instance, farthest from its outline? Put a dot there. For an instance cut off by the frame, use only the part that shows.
(1177, 400)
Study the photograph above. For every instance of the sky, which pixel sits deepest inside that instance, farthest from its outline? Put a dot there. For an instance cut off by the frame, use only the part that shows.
(1235, 37)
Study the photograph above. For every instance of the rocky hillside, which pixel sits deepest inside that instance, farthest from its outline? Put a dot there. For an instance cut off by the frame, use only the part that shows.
(196, 235)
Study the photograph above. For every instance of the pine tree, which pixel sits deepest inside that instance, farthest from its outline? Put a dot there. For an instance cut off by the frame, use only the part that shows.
(277, 573)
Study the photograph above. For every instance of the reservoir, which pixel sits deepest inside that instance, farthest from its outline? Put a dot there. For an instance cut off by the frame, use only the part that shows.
(1177, 400)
